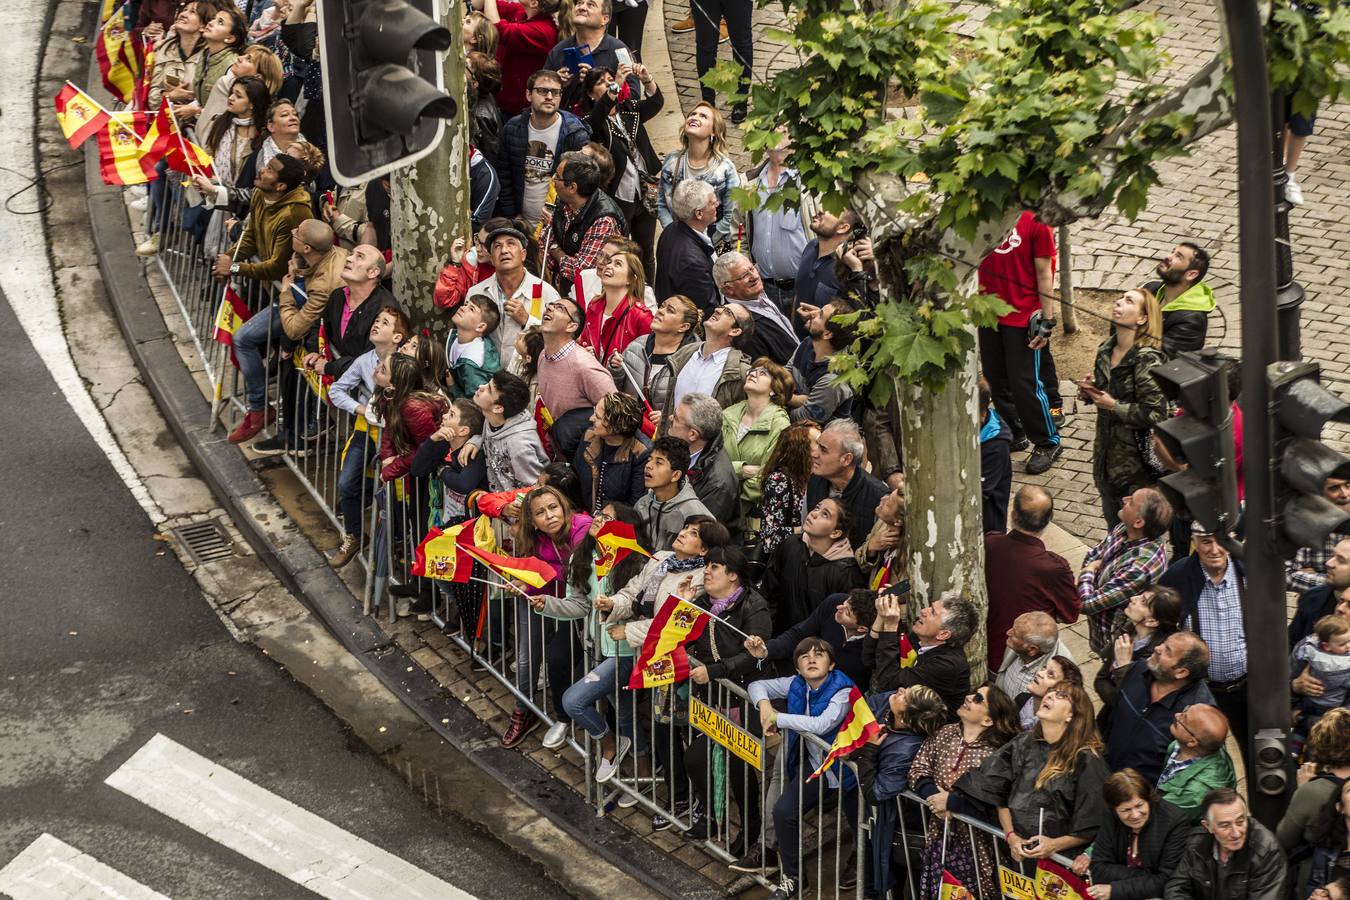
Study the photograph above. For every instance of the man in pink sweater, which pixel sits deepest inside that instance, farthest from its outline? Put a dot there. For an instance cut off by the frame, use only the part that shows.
(571, 380)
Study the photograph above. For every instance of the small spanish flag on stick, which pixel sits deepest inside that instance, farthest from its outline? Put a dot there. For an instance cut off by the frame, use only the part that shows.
(80, 116)
(1053, 880)
(953, 888)
(440, 556)
(908, 655)
(164, 140)
(119, 155)
(233, 313)
(663, 659)
(118, 77)
(859, 727)
(616, 540)
(479, 543)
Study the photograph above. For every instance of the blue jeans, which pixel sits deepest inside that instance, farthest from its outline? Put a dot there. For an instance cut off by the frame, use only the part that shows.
(605, 681)
(354, 488)
(250, 342)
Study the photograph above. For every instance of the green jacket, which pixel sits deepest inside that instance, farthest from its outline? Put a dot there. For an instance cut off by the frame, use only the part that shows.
(469, 376)
(1197, 298)
(754, 448)
(1189, 786)
(1140, 405)
(209, 71)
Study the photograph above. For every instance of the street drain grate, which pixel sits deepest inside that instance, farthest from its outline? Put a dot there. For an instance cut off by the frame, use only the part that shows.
(205, 541)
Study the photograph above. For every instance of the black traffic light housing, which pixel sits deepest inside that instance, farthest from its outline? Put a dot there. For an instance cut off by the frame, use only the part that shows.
(1202, 438)
(383, 94)
(1300, 408)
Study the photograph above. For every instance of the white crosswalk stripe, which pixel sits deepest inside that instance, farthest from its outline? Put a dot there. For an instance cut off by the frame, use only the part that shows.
(50, 869)
(270, 830)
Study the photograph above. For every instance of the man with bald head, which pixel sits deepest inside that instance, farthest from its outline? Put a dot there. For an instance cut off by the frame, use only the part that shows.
(1197, 761)
(1152, 692)
(1021, 575)
(1032, 641)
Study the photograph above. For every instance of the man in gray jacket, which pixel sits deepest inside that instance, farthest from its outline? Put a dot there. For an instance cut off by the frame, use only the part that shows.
(698, 422)
(1234, 858)
(669, 499)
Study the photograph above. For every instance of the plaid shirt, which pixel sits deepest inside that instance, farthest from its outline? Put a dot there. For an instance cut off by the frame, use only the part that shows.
(1127, 567)
(1220, 611)
(567, 268)
(1314, 559)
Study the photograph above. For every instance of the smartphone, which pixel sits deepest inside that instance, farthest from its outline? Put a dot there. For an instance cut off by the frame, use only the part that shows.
(1031, 844)
(172, 81)
(623, 56)
(572, 60)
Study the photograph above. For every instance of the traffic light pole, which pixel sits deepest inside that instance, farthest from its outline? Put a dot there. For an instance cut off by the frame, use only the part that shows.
(429, 201)
(1289, 294)
(1264, 601)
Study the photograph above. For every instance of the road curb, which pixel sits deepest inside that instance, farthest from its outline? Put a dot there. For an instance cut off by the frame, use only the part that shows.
(306, 573)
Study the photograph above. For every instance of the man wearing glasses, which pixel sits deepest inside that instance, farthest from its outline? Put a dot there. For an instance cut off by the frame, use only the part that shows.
(532, 144)
(740, 281)
(1197, 761)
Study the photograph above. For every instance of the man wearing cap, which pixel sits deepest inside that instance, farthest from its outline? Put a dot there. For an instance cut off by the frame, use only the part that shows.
(1211, 586)
(521, 297)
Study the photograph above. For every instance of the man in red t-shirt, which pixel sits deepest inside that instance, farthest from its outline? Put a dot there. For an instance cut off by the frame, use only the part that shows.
(1016, 361)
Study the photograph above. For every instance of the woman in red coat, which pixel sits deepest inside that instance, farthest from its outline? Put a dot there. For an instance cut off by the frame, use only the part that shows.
(617, 315)
(525, 33)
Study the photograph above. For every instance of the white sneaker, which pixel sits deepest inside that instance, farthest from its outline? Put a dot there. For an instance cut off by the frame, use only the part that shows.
(1293, 193)
(150, 247)
(609, 768)
(627, 800)
(140, 205)
(555, 736)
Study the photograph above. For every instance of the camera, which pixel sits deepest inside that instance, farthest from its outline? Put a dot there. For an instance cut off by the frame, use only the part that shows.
(859, 231)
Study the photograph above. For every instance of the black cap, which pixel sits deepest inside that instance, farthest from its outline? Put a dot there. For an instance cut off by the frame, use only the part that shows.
(509, 231)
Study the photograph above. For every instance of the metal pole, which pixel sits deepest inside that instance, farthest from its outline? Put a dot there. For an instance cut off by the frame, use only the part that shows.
(1264, 603)
(1068, 312)
(1289, 293)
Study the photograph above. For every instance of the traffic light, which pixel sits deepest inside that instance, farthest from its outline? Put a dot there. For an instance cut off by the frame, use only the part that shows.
(1300, 407)
(382, 87)
(1202, 438)
(1272, 761)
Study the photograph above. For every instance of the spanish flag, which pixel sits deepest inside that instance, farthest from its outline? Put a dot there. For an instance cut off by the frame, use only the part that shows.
(118, 77)
(145, 70)
(108, 8)
(163, 140)
(615, 540)
(677, 623)
(1053, 880)
(881, 578)
(440, 556)
(908, 655)
(479, 542)
(662, 671)
(233, 313)
(858, 727)
(119, 154)
(953, 889)
(79, 115)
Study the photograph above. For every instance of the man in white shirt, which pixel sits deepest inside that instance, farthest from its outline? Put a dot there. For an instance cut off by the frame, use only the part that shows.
(520, 296)
(717, 366)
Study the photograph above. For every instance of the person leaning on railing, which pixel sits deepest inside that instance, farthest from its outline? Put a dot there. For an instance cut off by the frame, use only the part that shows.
(908, 716)
(985, 722)
(1044, 784)
(1138, 846)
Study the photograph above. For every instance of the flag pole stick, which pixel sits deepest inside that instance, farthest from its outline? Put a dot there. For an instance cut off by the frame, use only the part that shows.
(112, 117)
(218, 396)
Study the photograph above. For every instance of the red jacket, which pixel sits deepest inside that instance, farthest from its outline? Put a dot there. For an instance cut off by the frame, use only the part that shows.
(522, 47)
(453, 283)
(631, 320)
(421, 418)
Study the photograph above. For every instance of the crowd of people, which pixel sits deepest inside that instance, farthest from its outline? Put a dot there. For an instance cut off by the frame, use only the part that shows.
(626, 344)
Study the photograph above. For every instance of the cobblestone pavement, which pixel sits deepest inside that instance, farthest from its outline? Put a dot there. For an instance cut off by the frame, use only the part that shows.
(1196, 199)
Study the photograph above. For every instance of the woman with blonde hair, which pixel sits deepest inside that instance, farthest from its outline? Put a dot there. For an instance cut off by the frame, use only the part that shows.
(479, 34)
(702, 155)
(1129, 401)
(750, 430)
(1046, 783)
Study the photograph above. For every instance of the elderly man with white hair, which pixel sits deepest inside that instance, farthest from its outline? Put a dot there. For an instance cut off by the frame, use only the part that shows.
(1033, 640)
(740, 281)
(684, 254)
(837, 471)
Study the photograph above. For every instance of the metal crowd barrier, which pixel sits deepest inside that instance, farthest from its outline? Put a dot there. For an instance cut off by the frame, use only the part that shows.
(703, 760)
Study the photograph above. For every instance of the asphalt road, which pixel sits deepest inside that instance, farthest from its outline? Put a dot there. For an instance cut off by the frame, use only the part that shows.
(106, 643)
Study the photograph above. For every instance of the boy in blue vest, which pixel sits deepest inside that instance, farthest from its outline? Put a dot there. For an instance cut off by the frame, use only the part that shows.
(817, 704)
